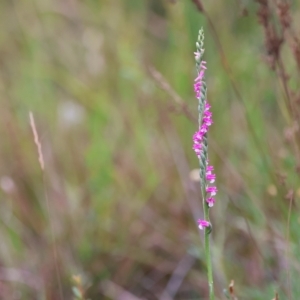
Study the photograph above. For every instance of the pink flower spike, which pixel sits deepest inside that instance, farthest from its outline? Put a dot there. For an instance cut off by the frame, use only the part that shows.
(210, 201)
(202, 224)
(211, 178)
(212, 190)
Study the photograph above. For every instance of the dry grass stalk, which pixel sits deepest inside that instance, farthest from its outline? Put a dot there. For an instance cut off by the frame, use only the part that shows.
(199, 5)
(231, 290)
(36, 140)
(273, 41)
(276, 296)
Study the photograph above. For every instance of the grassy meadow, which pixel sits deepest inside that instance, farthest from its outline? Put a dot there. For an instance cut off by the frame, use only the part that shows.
(113, 214)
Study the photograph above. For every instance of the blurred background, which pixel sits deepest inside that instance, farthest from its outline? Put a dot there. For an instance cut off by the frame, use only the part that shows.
(110, 86)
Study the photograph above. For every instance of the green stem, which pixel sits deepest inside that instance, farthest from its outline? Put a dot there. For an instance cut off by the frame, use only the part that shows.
(207, 229)
(208, 257)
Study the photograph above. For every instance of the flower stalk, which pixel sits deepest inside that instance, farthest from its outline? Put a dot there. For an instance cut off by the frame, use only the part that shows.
(200, 146)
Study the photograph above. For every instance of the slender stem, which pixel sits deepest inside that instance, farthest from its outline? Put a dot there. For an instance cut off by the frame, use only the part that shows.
(207, 248)
(207, 229)
(209, 264)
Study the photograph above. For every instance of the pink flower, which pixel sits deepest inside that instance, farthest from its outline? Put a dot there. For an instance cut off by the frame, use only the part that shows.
(211, 178)
(209, 170)
(202, 224)
(210, 201)
(203, 129)
(200, 76)
(197, 88)
(207, 114)
(197, 137)
(207, 106)
(207, 121)
(197, 55)
(197, 148)
(212, 190)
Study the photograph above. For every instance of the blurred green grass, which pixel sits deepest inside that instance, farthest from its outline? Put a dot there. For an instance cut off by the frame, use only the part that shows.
(118, 152)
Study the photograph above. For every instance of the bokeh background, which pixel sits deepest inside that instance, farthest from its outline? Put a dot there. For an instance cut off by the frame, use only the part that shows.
(110, 85)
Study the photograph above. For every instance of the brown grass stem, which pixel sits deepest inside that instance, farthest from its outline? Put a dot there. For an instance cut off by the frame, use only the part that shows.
(42, 165)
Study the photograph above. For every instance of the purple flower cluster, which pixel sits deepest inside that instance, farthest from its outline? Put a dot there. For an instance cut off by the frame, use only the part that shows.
(211, 190)
(199, 136)
(206, 122)
(199, 80)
